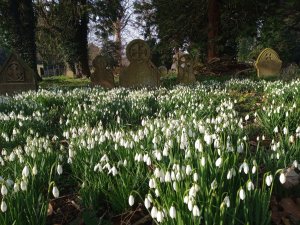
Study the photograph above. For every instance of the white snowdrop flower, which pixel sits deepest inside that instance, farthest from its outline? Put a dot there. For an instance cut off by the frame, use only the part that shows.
(55, 192)
(159, 216)
(196, 211)
(152, 183)
(23, 185)
(250, 186)
(157, 194)
(247, 117)
(295, 164)
(219, 162)
(253, 169)
(3, 206)
(195, 177)
(113, 171)
(242, 194)
(167, 177)
(147, 203)
(153, 212)
(227, 201)
(157, 172)
(158, 155)
(165, 151)
(188, 170)
(282, 178)
(175, 186)
(207, 138)
(192, 192)
(9, 183)
(244, 167)
(292, 139)
(198, 145)
(285, 131)
(275, 130)
(190, 204)
(230, 173)
(131, 200)
(172, 212)
(186, 199)
(34, 170)
(202, 161)
(125, 163)
(269, 180)
(25, 171)
(3, 190)
(214, 184)
(16, 187)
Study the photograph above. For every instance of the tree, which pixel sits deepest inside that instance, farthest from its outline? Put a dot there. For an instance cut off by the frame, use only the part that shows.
(18, 21)
(66, 21)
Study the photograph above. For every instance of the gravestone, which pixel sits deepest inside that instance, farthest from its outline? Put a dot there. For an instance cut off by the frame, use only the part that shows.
(102, 76)
(15, 75)
(186, 70)
(141, 71)
(268, 64)
(163, 71)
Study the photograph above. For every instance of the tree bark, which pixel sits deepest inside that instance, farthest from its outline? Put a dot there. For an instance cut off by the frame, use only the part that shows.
(214, 17)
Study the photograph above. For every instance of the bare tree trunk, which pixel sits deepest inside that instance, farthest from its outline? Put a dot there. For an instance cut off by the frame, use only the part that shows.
(83, 65)
(118, 42)
(214, 17)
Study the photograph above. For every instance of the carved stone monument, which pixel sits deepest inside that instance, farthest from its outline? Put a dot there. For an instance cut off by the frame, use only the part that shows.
(102, 76)
(268, 64)
(186, 70)
(15, 75)
(163, 71)
(141, 71)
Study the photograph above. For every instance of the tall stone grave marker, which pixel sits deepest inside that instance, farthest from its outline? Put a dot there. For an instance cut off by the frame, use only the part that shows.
(268, 64)
(141, 71)
(102, 76)
(186, 70)
(15, 75)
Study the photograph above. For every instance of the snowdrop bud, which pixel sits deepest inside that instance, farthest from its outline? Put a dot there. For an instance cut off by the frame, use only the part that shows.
(247, 117)
(207, 139)
(152, 183)
(253, 169)
(291, 139)
(195, 177)
(16, 187)
(34, 170)
(285, 131)
(59, 169)
(55, 192)
(3, 190)
(25, 171)
(147, 203)
(131, 200)
(276, 130)
(172, 212)
(202, 161)
(295, 164)
(242, 194)
(156, 193)
(190, 204)
(3, 206)
(269, 180)
(153, 212)
(196, 211)
(219, 162)
(175, 186)
(167, 177)
(282, 178)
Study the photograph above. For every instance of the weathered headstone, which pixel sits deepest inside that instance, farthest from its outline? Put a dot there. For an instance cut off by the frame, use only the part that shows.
(141, 71)
(15, 75)
(186, 70)
(102, 76)
(268, 64)
(163, 71)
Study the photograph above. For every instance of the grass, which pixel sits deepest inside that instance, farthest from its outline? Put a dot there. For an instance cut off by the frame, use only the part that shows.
(63, 81)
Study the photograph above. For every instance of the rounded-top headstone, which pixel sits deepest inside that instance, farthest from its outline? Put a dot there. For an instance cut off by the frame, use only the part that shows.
(268, 64)
(138, 51)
